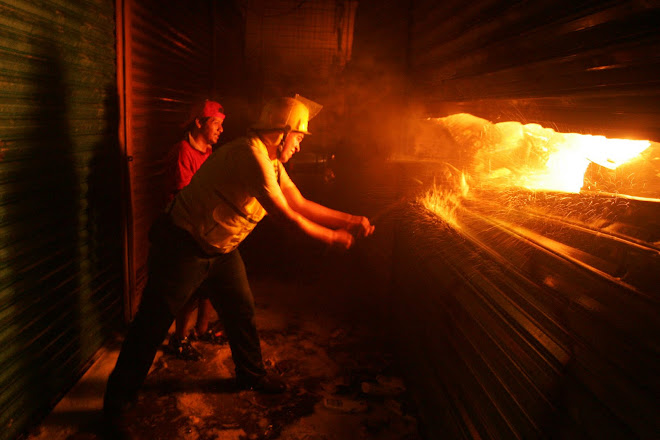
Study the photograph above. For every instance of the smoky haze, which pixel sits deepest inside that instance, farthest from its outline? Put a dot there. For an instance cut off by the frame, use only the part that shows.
(375, 82)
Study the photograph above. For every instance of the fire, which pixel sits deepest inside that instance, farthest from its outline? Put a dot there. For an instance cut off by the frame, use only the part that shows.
(512, 154)
(572, 153)
(445, 201)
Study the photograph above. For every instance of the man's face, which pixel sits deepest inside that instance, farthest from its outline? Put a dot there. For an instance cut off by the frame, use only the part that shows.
(291, 145)
(211, 129)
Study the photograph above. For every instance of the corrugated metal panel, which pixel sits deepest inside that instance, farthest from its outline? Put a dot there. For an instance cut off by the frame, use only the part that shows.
(516, 336)
(587, 66)
(168, 64)
(60, 233)
(535, 318)
(520, 325)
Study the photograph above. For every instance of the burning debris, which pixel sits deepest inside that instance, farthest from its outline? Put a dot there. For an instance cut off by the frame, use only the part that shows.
(512, 154)
(500, 170)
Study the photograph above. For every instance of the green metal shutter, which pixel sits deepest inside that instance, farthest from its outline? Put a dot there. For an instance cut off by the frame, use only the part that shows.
(60, 214)
(168, 63)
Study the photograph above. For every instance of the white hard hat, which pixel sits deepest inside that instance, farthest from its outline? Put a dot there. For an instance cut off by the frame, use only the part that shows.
(287, 114)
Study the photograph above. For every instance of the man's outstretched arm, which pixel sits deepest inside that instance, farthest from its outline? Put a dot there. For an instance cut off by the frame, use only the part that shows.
(277, 206)
(359, 226)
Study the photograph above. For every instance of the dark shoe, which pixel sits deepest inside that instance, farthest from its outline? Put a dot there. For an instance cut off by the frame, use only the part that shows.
(213, 337)
(263, 384)
(183, 349)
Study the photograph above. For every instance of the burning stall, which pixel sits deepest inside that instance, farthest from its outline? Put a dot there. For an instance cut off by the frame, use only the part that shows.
(539, 293)
(523, 217)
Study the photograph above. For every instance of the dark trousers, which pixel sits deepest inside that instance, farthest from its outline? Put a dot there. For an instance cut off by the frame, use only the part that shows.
(177, 270)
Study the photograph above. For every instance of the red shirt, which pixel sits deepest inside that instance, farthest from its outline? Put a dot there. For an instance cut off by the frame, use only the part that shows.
(185, 161)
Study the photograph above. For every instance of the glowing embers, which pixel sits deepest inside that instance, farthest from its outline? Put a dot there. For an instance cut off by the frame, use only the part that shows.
(444, 201)
(510, 154)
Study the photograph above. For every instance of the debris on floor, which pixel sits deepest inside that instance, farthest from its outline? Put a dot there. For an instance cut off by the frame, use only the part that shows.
(342, 386)
(345, 405)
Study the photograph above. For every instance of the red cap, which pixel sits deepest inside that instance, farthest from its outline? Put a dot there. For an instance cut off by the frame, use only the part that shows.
(205, 109)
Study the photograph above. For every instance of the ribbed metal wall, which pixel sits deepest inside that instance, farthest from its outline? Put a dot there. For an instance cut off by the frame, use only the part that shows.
(528, 327)
(586, 66)
(168, 63)
(532, 316)
(60, 213)
(538, 317)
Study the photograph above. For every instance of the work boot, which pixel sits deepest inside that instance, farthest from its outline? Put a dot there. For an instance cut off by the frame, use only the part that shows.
(183, 349)
(267, 384)
(212, 337)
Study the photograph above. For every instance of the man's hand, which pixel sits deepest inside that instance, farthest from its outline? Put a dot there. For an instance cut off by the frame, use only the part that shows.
(342, 240)
(360, 227)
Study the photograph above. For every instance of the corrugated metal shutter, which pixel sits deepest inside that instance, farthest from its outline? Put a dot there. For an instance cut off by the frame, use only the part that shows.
(60, 214)
(168, 62)
(586, 66)
(505, 339)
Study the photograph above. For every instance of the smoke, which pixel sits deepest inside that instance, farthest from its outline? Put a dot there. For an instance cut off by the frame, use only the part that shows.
(377, 109)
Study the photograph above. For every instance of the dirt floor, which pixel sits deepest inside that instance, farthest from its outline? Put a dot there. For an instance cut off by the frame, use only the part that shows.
(343, 384)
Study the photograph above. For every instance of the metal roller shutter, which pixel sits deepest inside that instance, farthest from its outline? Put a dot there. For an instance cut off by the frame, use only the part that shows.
(168, 63)
(499, 351)
(587, 66)
(60, 213)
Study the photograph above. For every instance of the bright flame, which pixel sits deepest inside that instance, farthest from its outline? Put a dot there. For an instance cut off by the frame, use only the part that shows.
(568, 161)
(444, 201)
(531, 156)
(511, 154)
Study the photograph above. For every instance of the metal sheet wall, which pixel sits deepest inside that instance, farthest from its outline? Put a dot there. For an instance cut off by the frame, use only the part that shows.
(60, 214)
(531, 316)
(516, 337)
(168, 60)
(586, 66)
(504, 337)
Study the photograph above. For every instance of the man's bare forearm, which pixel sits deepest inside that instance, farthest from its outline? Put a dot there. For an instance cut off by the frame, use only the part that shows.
(323, 215)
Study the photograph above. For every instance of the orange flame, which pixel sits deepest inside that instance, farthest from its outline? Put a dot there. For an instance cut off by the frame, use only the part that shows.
(568, 160)
(512, 154)
(445, 201)
(532, 156)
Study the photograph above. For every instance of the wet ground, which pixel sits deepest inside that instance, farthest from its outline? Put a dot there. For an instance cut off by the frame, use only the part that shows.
(343, 382)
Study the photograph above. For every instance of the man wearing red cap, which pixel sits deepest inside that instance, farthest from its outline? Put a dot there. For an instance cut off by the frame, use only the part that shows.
(203, 130)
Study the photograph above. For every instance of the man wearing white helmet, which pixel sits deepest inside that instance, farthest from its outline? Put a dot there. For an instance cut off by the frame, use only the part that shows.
(197, 248)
